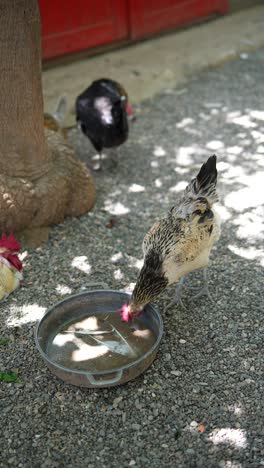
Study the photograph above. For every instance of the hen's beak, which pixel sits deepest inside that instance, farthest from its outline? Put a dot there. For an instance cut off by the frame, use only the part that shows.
(128, 311)
(134, 309)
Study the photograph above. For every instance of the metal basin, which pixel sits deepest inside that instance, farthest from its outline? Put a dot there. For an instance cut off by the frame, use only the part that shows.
(110, 353)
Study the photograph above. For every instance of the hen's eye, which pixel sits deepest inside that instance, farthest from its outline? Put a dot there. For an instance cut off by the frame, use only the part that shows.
(197, 212)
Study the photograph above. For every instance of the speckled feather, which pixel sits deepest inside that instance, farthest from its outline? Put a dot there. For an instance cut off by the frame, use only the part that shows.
(180, 242)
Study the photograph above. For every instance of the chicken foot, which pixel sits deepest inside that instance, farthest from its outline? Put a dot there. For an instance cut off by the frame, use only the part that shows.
(177, 298)
(204, 290)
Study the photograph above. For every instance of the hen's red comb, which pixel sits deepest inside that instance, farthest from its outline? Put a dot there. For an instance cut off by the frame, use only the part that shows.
(124, 312)
(127, 315)
(9, 242)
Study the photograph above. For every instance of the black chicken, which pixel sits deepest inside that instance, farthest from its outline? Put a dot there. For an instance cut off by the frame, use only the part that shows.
(101, 113)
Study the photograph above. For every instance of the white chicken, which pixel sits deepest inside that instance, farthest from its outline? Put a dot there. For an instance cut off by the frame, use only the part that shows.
(10, 265)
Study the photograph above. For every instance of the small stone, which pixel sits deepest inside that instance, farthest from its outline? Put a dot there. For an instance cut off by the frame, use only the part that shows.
(132, 463)
(167, 357)
(176, 373)
(190, 451)
(135, 427)
(117, 401)
(194, 424)
(182, 341)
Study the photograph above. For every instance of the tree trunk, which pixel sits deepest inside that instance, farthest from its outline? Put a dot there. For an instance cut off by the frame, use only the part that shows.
(41, 181)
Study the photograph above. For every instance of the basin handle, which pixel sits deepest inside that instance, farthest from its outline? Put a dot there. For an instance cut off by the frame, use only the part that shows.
(111, 381)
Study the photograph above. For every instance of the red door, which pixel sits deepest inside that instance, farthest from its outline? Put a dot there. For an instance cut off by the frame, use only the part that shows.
(71, 25)
(149, 16)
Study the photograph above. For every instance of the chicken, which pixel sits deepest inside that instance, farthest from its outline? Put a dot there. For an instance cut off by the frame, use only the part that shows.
(101, 113)
(54, 121)
(10, 265)
(179, 243)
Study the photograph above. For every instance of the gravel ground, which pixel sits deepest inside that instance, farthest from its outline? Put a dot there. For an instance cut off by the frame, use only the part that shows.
(199, 404)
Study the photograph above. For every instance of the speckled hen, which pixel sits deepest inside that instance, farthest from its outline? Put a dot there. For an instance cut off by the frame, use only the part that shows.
(181, 242)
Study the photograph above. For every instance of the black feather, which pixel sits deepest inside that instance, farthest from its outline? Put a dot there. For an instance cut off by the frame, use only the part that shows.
(207, 174)
(101, 134)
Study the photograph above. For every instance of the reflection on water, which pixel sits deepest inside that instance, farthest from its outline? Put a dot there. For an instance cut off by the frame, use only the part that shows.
(101, 342)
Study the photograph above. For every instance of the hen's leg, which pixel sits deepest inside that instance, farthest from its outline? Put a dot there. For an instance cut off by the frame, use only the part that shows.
(98, 164)
(204, 290)
(177, 298)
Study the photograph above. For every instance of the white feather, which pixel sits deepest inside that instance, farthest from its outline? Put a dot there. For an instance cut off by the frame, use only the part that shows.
(104, 107)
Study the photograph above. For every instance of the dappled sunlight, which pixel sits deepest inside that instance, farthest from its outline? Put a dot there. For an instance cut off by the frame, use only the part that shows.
(250, 253)
(258, 115)
(89, 352)
(223, 212)
(231, 464)
(182, 170)
(184, 155)
(21, 315)
(247, 197)
(215, 145)
(159, 152)
(154, 164)
(134, 262)
(234, 437)
(158, 183)
(179, 186)
(116, 208)
(84, 352)
(185, 122)
(234, 149)
(245, 121)
(62, 289)
(250, 225)
(116, 257)
(257, 136)
(144, 334)
(118, 275)
(233, 172)
(222, 166)
(81, 264)
(116, 192)
(136, 188)
(129, 287)
(23, 255)
(235, 409)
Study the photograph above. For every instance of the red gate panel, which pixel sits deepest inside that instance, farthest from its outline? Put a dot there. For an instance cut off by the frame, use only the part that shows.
(150, 16)
(72, 25)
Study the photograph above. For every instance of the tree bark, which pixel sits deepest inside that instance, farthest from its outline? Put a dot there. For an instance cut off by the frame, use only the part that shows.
(41, 181)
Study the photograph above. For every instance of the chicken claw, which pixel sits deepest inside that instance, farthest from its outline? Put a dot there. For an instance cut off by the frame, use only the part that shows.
(177, 298)
(204, 290)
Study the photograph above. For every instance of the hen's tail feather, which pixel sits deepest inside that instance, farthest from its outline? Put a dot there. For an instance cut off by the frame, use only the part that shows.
(207, 175)
(204, 184)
